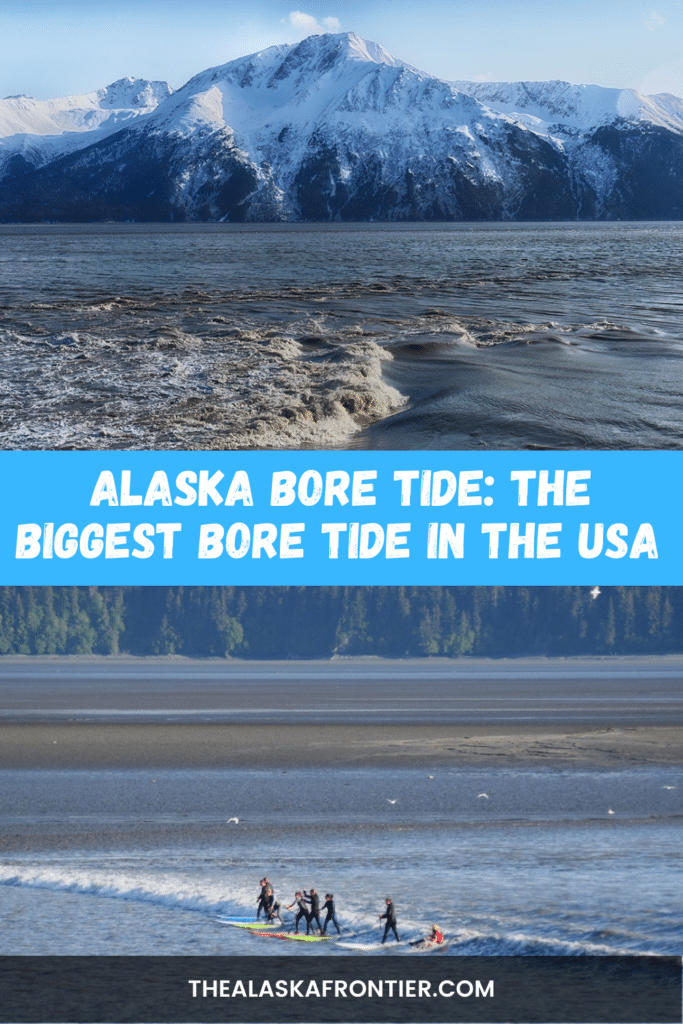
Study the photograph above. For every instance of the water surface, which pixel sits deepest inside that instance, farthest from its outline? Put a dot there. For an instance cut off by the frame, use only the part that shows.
(398, 336)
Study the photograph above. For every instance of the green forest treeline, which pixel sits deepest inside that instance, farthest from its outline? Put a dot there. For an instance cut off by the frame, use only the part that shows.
(308, 622)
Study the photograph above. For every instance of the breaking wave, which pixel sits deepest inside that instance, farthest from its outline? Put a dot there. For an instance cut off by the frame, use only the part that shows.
(373, 336)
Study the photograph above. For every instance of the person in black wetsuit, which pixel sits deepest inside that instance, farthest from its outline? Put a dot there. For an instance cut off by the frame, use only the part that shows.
(331, 915)
(262, 898)
(272, 907)
(390, 917)
(314, 912)
(301, 902)
(268, 901)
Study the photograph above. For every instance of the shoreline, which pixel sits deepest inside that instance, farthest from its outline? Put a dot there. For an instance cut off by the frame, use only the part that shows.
(435, 661)
(59, 746)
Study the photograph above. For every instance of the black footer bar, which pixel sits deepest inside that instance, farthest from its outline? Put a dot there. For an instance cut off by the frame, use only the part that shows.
(371, 989)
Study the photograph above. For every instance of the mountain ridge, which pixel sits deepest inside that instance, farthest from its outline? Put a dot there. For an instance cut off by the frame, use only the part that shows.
(336, 128)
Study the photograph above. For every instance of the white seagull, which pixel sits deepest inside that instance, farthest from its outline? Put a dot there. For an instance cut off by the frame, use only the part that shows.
(236, 820)
(391, 801)
(610, 811)
(595, 592)
(484, 796)
(668, 787)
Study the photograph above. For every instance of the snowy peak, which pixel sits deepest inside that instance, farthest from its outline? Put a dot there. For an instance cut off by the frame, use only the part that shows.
(579, 107)
(133, 94)
(295, 87)
(41, 130)
(128, 97)
(299, 67)
(318, 55)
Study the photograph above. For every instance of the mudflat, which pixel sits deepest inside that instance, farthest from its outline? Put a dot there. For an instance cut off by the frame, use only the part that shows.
(570, 693)
(71, 713)
(87, 745)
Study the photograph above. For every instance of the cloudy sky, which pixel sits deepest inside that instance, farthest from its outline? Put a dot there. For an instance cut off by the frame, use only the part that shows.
(66, 48)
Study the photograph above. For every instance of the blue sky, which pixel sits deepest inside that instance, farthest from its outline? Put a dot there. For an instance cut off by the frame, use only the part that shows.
(58, 49)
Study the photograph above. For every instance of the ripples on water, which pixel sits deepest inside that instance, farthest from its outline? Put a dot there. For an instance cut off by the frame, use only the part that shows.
(375, 336)
(143, 862)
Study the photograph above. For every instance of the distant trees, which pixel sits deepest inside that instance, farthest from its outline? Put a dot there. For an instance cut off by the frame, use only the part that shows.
(61, 620)
(316, 622)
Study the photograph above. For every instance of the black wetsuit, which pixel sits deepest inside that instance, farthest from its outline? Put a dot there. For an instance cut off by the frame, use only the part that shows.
(331, 916)
(303, 912)
(314, 912)
(268, 902)
(391, 922)
(262, 900)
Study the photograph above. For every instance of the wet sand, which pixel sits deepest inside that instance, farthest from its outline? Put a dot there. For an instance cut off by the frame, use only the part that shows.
(456, 696)
(86, 745)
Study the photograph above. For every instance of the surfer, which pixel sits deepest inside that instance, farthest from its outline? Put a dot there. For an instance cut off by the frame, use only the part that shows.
(273, 907)
(390, 917)
(435, 938)
(269, 902)
(314, 912)
(262, 897)
(328, 906)
(300, 902)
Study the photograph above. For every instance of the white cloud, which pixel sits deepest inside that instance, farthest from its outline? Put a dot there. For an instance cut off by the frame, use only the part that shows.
(654, 21)
(308, 26)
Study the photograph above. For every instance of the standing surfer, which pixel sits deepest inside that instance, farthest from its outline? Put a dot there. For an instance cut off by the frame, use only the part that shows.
(273, 907)
(269, 902)
(314, 912)
(331, 915)
(300, 902)
(390, 917)
(262, 897)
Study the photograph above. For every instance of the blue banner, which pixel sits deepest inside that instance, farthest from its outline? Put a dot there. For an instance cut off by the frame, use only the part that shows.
(341, 517)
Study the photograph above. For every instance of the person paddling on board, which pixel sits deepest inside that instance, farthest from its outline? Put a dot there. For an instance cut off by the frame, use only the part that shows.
(331, 915)
(390, 917)
(314, 912)
(303, 910)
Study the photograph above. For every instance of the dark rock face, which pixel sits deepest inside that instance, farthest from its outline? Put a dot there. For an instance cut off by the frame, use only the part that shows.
(131, 177)
(134, 176)
(648, 162)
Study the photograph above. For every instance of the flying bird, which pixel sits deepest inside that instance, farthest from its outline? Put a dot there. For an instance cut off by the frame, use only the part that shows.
(236, 820)
(391, 801)
(610, 811)
(595, 592)
(669, 787)
(484, 795)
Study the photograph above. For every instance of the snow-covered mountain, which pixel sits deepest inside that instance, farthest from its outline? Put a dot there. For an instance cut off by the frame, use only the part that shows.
(561, 108)
(335, 128)
(41, 130)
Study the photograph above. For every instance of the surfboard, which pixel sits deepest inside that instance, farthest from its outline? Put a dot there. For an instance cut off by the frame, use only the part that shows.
(294, 936)
(248, 923)
(365, 946)
(429, 947)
